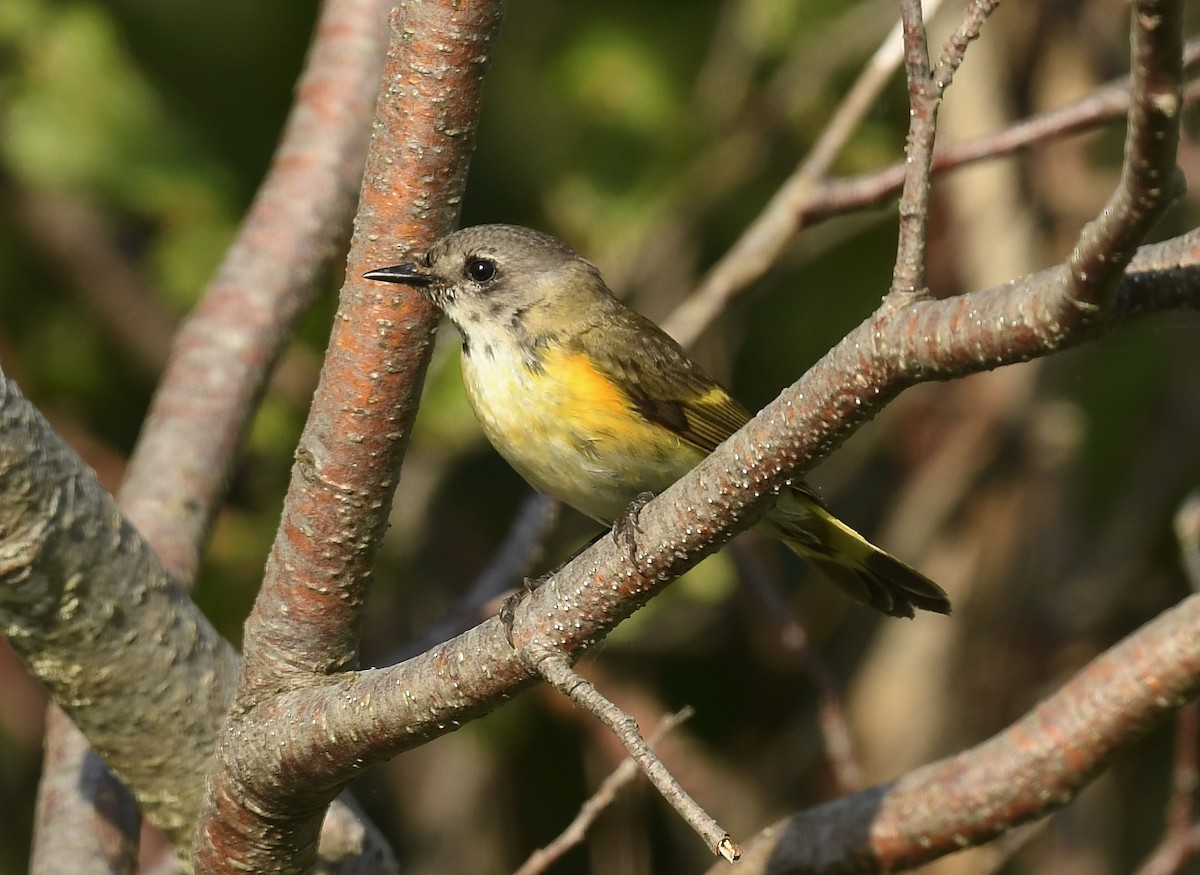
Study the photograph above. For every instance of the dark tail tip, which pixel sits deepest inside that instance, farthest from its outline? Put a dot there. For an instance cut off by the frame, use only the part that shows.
(905, 588)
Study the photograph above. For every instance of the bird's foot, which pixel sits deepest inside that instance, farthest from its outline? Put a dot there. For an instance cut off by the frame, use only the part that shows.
(508, 610)
(626, 528)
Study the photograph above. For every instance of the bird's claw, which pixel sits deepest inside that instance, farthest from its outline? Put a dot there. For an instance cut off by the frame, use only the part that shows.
(626, 527)
(508, 610)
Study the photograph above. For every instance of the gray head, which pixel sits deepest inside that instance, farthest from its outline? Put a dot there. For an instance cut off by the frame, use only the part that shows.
(503, 279)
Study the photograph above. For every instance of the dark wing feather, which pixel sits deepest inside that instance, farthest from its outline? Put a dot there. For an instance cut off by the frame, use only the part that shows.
(661, 381)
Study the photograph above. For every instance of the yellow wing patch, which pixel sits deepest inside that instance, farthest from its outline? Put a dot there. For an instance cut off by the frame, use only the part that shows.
(713, 417)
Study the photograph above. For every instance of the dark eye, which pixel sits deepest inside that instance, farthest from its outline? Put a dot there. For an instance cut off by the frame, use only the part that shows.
(481, 270)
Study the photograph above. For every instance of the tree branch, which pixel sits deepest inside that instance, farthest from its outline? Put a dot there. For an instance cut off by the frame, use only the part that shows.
(85, 820)
(1034, 767)
(311, 604)
(99, 621)
(762, 243)
(220, 361)
(306, 620)
(543, 858)
(797, 207)
(1148, 174)
(556, 671)
(363, 717)
(180, 467)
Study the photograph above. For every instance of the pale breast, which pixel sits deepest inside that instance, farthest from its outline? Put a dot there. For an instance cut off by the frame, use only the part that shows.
(570, 433)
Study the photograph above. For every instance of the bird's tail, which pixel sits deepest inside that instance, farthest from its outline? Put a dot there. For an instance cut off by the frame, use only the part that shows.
(858, 567)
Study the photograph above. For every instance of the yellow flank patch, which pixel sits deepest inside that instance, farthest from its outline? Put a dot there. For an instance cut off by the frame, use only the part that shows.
(570, 432)
(582, 381)
(592, 404)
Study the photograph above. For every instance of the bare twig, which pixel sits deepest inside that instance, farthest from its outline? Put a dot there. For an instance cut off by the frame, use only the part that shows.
(559, 674)
(761, 244)
(734, 273)
(967, 32)
(605, 794)
(526, 537)
(908, 278)
(1148, 173)
(853, 109)
(926, 88)
(1106, 104)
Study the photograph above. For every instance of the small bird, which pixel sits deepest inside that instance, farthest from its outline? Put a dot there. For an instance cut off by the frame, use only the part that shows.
(594, 404)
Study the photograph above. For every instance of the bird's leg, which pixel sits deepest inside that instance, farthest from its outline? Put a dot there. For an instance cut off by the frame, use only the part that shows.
(626, 526)
(623, 532)
(508, 610)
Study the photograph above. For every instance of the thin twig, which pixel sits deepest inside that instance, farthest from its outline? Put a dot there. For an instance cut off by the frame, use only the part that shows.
(926, 88)
(1107, 243)
(761, 244)
(605, 795)
(734, 273)
(534, 521)
(855, 106)
(1108, 103)
(557, 672)
(908, 276)
(955, 49)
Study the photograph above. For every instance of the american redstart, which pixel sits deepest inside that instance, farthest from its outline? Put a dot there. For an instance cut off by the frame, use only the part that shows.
(594, 404)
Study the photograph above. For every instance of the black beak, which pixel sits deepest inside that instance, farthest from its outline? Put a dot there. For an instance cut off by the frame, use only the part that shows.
(408, 274)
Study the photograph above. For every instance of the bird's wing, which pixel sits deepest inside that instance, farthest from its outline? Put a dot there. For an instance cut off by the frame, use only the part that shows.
(662, 382)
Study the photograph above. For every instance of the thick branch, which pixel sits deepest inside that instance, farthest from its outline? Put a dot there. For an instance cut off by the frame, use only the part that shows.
(1034, 767)
(224, 351)
(180, 467)
(306, 620)
(100, 623)
(363, 717)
